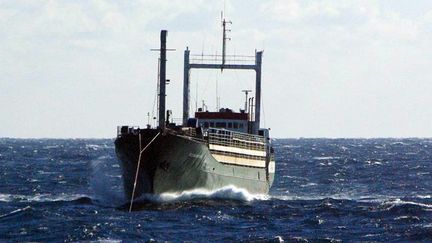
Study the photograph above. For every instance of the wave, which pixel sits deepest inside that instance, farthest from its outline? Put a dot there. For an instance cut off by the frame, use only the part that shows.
(293, 197)
(400, 143)
(399, 202)
(107, 189)
(105, 183)
(373, 162)
(51, 147)
(381, 199)
(309, 184)
(290, 146)
(5, 197)
(224, 193)
(15, 212)
(407, 218)
(325, 158)
(42, 198)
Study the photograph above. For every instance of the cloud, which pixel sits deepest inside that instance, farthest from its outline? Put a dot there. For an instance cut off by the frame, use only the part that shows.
(341, 68)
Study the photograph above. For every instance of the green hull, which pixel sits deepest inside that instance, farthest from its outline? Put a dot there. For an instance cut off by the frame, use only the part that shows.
(175, 163)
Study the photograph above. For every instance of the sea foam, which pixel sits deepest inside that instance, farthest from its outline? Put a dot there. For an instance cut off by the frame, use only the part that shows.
(224, 193)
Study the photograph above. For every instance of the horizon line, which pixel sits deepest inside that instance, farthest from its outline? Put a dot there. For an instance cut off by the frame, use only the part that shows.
(273, 138)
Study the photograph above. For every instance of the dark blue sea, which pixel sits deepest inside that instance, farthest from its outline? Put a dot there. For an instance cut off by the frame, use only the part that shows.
(326, 190)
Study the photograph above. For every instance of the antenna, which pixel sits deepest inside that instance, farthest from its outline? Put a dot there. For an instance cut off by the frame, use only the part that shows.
(196, 97)
(204, 106)
(224, 38)
(217, 96)
(246, 91)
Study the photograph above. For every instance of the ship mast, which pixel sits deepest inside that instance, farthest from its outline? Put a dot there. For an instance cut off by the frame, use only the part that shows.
(162, 80)
(224, 39)
(199, 63)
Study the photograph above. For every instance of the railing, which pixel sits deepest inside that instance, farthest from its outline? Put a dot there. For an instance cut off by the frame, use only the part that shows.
(217, 59)
(122, 130)
(189, 131)
(235, 139)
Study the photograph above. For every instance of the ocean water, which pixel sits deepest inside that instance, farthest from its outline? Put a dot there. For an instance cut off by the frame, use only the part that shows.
(326, 190)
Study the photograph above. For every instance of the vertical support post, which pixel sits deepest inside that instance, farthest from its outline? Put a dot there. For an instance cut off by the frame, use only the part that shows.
(258, 62)
(223, 43)
(186, 91)
(162, 80)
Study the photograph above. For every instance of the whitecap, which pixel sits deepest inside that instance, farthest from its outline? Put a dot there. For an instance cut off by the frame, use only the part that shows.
(399, 201)
(343, 148)
(325, 158)
(93, 146)
(54, 198)
(5, 197)
(290, 146)
(309, 184)
(407, 217)
(341, 196)
(47, 172)
(108, 240)
(327, 163)
(411, 153)
(228, 192)
(40, 197)
(279, 238)
(373, 162)
(372, 235)
(399, 143)
(15, 212)
(51, 146)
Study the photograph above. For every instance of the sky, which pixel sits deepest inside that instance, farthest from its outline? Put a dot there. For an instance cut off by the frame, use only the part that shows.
(334, 68)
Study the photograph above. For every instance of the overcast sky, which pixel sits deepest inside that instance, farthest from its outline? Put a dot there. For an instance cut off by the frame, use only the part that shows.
(330, 68)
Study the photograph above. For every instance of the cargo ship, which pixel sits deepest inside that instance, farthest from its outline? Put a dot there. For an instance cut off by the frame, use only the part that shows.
(208, 150)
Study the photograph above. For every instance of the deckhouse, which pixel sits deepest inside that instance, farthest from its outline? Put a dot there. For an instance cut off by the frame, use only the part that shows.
(225, 118)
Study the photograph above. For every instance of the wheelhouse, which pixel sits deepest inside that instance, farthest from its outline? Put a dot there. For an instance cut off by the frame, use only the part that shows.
(224, 119)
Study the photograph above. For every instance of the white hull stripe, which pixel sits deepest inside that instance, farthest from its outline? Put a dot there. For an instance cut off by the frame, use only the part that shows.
(239, 161)
(248, 141)
(237, 150)
(272, 167)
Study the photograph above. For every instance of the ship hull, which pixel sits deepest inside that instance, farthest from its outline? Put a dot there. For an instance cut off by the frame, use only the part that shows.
(175, 163)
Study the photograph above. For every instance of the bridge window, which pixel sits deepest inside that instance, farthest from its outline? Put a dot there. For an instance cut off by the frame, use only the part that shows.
(241, 125)
(212, 124)
(235, 125)
(221, 124)
(230, 124)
